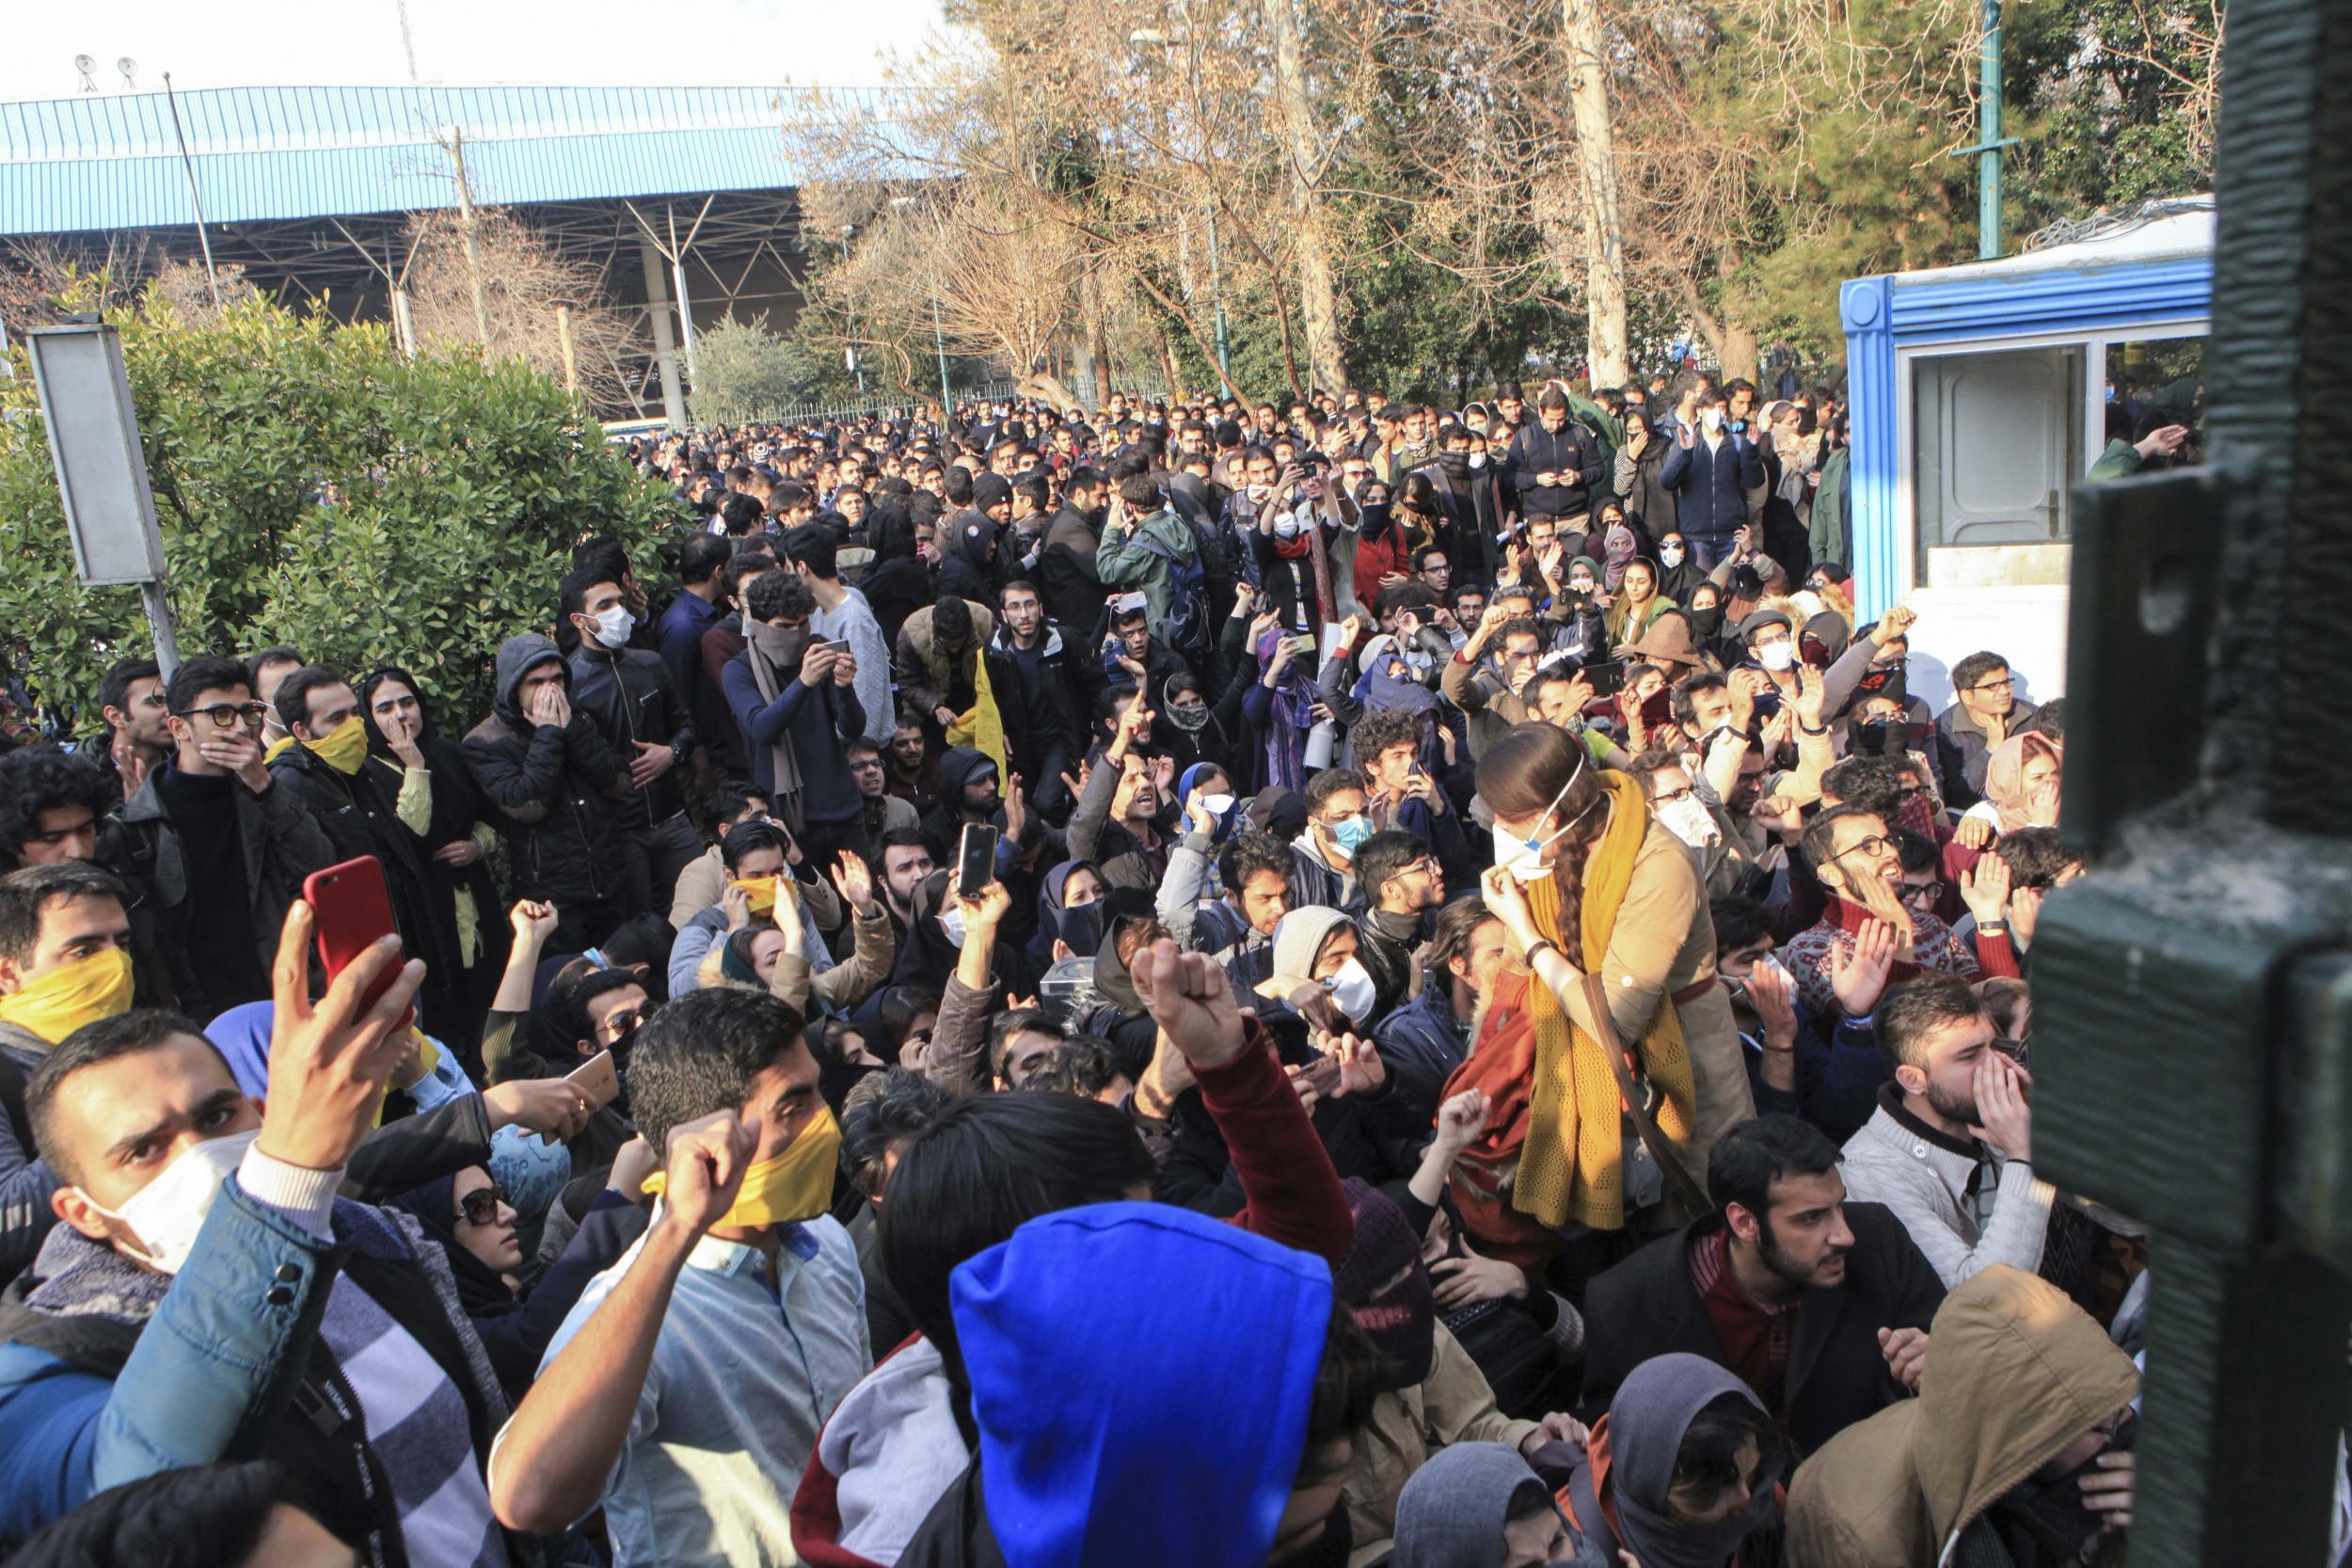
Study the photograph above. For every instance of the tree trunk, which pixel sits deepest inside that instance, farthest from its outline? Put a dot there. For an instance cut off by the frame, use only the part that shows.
(1048, 388)
(1318, 294)
(1596, 158)
(1734, 345)
(1098, 338)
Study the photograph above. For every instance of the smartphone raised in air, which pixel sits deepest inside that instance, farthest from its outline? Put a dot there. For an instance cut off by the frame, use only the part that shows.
(352, 906)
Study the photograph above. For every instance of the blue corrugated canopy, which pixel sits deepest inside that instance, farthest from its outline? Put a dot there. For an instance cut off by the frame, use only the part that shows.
(106, 161)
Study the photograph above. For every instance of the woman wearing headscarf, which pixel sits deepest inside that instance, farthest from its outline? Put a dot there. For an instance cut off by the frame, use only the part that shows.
(1477, 1505)
(1279, 710)
(2021, 783)
(1640, 464)
(1620, 543)
(1579, 609)
(439, 861)
(902, 580)
(1069, 914)
(1678, 576)
(1683, 1472)
(470, 1216)
(1392, 531)
(1636, 603)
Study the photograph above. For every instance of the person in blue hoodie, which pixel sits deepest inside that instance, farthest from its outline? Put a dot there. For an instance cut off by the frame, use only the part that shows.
(1151, 1388)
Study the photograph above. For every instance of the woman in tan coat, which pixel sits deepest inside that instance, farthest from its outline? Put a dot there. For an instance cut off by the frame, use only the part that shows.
(1588, 884)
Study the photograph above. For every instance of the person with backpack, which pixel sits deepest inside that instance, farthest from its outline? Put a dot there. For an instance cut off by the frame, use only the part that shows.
(1147, 547)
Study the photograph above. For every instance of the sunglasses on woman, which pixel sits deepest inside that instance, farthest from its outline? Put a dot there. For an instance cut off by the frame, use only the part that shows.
(482, 1205)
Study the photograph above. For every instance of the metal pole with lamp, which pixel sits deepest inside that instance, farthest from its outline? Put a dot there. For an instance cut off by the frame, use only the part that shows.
(93, 436)
(939, 335)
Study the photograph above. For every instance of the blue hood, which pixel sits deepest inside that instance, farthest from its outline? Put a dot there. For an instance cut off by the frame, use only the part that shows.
(1093, 1454)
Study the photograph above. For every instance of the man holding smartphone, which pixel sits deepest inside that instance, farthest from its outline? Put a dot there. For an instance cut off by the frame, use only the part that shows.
(1554, 465)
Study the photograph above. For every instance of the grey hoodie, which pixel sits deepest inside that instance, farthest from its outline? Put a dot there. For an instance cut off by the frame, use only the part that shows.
(1451, 1515)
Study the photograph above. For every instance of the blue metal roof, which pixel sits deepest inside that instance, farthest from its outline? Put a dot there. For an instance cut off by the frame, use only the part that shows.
(103, 161)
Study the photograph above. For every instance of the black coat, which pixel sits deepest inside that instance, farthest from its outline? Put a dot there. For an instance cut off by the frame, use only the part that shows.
(550, 791)
(1073, 589)
(1648, 1306)
(357, 814)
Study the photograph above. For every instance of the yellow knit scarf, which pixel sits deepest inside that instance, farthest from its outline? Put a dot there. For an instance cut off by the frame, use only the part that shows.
(981, 727)
(1571, 1166)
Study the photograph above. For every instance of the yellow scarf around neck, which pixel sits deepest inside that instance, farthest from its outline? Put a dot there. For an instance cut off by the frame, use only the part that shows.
(1572, 1166)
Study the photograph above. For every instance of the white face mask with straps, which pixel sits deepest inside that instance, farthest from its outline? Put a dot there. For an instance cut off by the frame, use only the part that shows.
(1524, 857)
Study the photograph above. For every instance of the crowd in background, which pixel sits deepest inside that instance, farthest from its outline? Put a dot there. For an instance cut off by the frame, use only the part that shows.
(1190, 983)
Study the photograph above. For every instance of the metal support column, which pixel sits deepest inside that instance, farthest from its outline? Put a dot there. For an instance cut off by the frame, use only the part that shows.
(665, 343)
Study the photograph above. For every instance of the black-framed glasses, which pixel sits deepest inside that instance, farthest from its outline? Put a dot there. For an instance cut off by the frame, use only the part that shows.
(1922, 893)
(2007, 683)
(1875, 843)
(228, 715)
(482, 1205)
(1673, 797)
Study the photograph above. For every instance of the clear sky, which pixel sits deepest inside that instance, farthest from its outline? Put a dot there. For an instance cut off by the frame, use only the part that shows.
(583, 43)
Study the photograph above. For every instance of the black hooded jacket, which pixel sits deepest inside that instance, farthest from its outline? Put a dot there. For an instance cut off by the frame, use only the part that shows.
(551, 792)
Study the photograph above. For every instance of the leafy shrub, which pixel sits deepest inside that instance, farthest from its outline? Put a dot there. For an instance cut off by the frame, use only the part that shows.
(316, 488)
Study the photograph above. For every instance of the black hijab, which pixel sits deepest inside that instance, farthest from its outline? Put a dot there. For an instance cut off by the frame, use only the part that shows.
(481, 1291)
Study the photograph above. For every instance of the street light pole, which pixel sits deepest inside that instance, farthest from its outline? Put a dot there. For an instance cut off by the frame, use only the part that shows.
(1989, 138)
(939, 342)
(1216, 292)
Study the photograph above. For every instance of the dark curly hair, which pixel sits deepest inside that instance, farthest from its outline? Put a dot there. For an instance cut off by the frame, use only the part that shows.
(39, 778)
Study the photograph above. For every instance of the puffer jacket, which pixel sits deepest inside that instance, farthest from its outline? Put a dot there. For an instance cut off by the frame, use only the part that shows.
(2015, 1372)
(551, 792)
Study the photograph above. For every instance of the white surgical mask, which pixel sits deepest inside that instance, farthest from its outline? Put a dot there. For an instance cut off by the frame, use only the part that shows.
(1216, 806)
(1524, 857)
(1478, 460)
(1286, 526)
(1671, 554)
(1712, 420)
(1351, 990)
(168, 1211)
(1688, 821)
(951, 921)
(614, 626)
(1776, 655)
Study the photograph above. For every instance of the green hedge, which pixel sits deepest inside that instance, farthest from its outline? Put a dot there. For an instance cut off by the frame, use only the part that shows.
(317, 489)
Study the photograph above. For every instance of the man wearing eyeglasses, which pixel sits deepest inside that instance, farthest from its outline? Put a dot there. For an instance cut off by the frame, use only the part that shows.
(1860, 866)
(214, 850)
(1987, 711)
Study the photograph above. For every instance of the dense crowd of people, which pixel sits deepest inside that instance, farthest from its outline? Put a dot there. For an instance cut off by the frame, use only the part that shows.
(1191, 984)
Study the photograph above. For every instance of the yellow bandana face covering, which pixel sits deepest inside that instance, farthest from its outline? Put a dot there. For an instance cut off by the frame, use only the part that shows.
(345, 748)
(84, 991)
(760, 895)
(796, 1185)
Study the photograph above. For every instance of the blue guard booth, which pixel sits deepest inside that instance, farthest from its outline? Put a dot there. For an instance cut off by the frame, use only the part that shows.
(1981, 394)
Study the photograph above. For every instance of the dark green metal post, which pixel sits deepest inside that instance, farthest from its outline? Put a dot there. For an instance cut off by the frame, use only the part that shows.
(1989, 136)
(2194, 997)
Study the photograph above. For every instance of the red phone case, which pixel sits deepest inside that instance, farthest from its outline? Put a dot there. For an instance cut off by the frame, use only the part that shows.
(352, 906)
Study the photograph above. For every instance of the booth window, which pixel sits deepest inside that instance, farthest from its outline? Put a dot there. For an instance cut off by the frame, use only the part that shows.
(2154, 383)
(1997, 444)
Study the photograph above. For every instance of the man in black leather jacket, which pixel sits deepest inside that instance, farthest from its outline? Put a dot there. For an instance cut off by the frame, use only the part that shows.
(628, 694)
